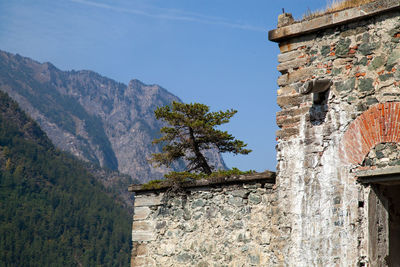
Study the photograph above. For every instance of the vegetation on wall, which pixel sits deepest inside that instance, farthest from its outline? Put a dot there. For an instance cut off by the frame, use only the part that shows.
(336, 5)
(192, 130)
(176, 179)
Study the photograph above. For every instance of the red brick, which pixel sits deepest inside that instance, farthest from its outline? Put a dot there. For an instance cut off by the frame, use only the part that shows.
(352, 51)
(367, 132)
(391, 120)
(381, 123)
(372, 126)
(396, 123)
(358, 74)
(381, 129)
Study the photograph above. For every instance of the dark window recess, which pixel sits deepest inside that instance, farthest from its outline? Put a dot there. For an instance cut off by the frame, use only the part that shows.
(319, 108)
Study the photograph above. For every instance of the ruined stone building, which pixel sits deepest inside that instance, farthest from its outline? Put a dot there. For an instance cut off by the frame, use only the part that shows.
(335, 197)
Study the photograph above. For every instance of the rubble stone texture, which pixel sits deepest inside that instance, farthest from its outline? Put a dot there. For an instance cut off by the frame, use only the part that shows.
(319, 213)
(229, 225)
(322, 145)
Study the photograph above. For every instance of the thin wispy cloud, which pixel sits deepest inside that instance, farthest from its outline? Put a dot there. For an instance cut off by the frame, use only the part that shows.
(173, 14)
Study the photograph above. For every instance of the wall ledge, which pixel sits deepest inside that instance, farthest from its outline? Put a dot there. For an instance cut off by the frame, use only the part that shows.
(332, 19)
(263, 177)
(379, 176)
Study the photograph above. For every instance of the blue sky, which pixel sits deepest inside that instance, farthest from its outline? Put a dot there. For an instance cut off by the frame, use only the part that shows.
(214, 52)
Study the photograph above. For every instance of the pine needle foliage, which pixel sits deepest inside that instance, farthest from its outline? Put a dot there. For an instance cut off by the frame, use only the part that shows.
(191, 132)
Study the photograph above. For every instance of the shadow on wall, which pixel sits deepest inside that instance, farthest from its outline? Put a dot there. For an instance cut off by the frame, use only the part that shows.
(319, 108)
(319, 88)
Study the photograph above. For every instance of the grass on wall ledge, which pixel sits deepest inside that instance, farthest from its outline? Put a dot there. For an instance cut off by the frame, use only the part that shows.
(334, 6)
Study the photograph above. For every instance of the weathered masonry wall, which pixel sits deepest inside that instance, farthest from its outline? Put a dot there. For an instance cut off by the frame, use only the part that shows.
(339, 94)
(227, 223)
(335, 201)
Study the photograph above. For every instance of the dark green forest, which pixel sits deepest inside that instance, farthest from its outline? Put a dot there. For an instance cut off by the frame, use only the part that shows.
(52, 211)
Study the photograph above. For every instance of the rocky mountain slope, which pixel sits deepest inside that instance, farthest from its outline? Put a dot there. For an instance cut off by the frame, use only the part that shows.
(93, 117)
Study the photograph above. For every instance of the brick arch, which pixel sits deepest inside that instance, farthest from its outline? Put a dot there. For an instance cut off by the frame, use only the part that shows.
(379, 124)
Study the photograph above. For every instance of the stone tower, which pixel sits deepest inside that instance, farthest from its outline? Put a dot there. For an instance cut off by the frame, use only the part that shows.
(338, 175)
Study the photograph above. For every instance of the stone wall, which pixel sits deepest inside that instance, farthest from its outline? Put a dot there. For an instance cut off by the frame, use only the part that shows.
(339, 84)
(228, 223)
(383, 155)
(339, 93)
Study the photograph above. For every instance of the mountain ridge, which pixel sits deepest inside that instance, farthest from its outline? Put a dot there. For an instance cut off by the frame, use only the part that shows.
(93, 117)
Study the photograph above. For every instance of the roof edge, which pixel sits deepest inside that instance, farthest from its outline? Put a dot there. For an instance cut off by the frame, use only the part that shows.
(263, 177)
(332, 19)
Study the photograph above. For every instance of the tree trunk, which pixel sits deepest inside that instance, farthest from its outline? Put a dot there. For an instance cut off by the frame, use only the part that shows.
(201, 159)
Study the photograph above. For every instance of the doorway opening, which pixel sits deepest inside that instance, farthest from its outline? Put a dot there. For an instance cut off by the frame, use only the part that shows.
(384, 219)
(384, 225)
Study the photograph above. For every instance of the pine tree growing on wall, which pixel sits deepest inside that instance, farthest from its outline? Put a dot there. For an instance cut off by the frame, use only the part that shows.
(192, 130)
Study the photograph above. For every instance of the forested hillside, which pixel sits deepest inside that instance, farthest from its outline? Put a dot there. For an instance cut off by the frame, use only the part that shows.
(52, 211)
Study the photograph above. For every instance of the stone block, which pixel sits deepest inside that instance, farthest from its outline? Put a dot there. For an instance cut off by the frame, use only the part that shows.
(340, 62)
(285, 19)
(285, 120)
(325, 50)
(376, 63)
(143, 236)
(184, 257)
(160, 225)
(366, 85)
(141, 225)
(293, 64)
(148, 200)
(287, 132)
(346, 86)
(167, 249)
(342, 47)
(366, 48)
(289, 56)
(291, 101)
(265, 238)
(286, 90)
(255, 198)
(235, 201)
(254, 260)
(198, 203)
(141, 213)
(397, 74)
(393, 59)
(142, 261)
(283, 80)
(239, 193)
(139, 249)
(293, 112)
(300, 75)
(295, 43)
